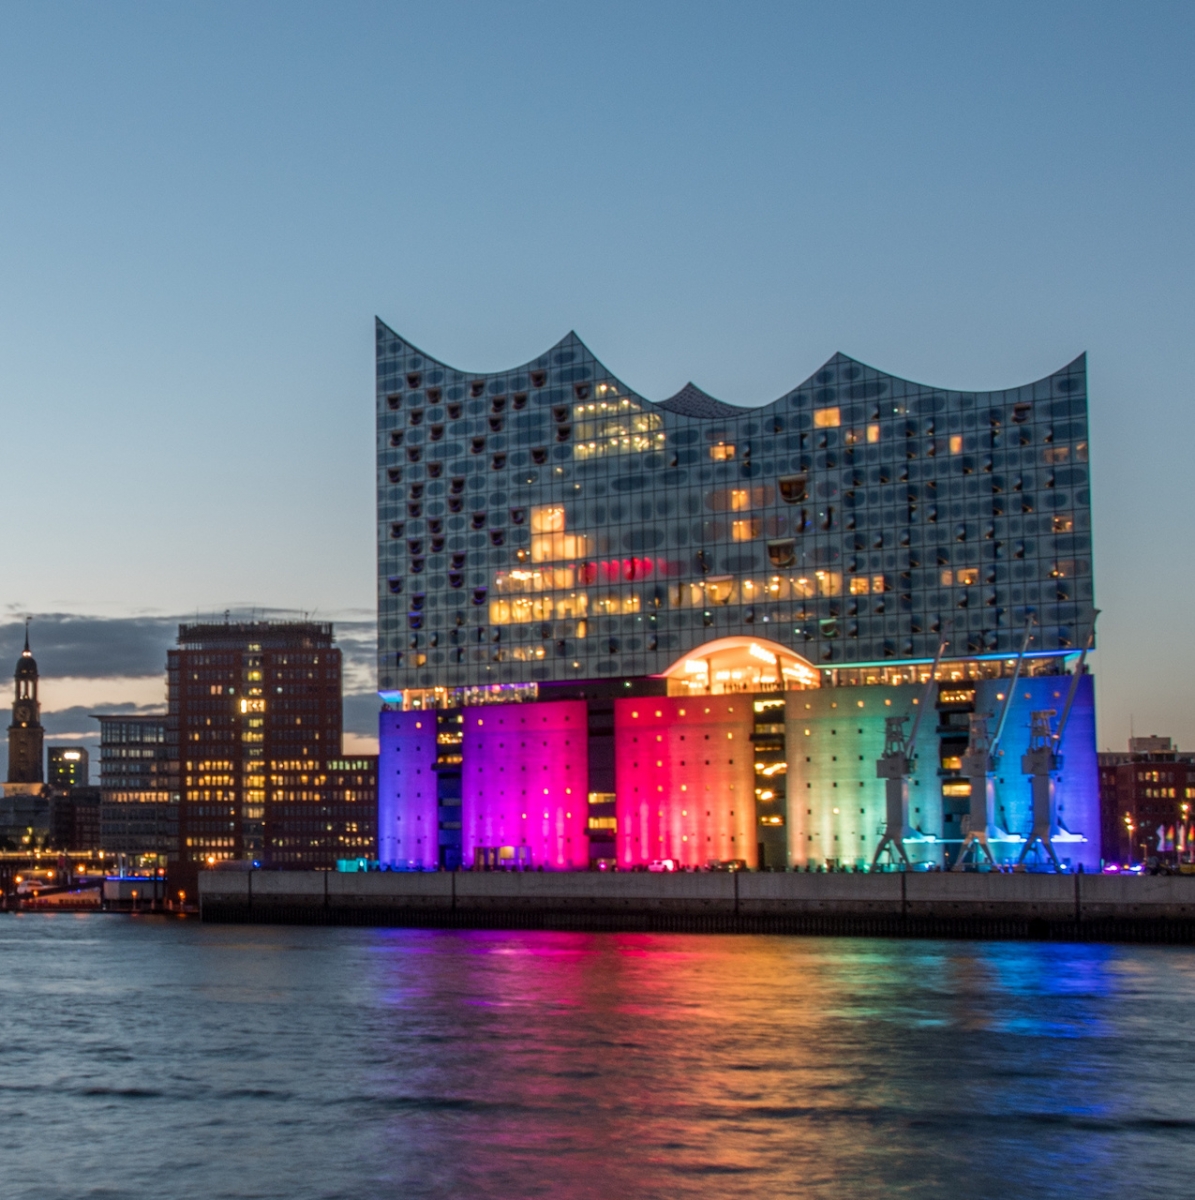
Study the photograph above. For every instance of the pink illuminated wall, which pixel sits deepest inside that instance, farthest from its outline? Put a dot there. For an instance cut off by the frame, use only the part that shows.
(408, 826)
(685, 780)
(525, 781)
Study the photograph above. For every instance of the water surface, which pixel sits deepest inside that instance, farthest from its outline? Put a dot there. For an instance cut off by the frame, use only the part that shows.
(153, 1057)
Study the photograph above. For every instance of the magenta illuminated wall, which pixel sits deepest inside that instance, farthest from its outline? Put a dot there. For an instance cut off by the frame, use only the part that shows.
(685, 780)
(525, 783)
(408, 825)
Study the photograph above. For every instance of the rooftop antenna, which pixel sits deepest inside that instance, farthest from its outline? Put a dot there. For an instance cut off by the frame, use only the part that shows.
(979, 765)
(1042, 762)
(894, 766)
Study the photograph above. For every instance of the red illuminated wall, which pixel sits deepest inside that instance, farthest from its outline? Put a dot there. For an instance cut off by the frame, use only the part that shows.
(408, 825)
(685, 780)
(524, 782)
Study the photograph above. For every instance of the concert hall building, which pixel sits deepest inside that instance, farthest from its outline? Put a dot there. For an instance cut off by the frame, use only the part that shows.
(619, 631)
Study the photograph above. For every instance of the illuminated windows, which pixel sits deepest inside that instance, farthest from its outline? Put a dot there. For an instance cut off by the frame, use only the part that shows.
(521, 609)
(548, 518)
(549, 542)
(720, 591)
(855, 437)
(746, 529)
(829, 583)
(617, 602)
(722, 452)
(965, 577)
(558, 547)
(861, 585)
(827, 418)
(539, 579)
(614, 425)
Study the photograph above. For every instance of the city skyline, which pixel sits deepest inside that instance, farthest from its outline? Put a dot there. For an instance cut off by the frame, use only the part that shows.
(186, 340)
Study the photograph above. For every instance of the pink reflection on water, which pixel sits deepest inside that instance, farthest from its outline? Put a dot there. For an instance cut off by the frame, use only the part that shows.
(603, 1065)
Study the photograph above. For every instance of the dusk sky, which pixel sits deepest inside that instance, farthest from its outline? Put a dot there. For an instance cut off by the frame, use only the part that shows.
(203, 207)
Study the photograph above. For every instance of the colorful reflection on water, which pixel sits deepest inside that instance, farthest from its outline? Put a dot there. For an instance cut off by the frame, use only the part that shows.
(142, 1057)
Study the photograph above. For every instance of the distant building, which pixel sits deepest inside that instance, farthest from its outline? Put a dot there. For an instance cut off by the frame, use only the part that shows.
(316, 818)
(139, 788)
(256, 708)
(68, 766)
(75, 819)
(1146, 800)
(24, 820)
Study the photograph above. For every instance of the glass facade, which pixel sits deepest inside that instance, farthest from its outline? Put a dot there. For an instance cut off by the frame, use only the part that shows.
(698, 619)
(548, 524)
(139, 788)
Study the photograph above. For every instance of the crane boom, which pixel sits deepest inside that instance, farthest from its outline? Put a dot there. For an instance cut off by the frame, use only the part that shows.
(929, 687)
(1012, 687)
(1070, 695)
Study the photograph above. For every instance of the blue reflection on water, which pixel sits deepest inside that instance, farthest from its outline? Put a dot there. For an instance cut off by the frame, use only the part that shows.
(141, 1056)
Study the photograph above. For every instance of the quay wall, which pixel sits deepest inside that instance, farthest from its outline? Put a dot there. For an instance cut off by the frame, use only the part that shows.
(911, 904)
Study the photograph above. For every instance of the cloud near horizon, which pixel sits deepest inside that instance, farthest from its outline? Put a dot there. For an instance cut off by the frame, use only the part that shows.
(91, 664)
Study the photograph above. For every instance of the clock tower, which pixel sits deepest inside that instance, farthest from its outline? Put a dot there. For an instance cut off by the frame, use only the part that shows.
(25, 734)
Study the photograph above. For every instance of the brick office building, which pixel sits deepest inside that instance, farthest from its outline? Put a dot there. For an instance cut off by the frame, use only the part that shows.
(1146, 798)
(256, 711)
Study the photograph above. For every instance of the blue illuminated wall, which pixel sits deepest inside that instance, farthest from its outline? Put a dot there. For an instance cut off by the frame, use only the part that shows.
(407, 803)
(1077, 793)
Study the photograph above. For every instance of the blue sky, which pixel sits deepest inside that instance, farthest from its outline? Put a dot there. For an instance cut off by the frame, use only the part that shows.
(202, 207)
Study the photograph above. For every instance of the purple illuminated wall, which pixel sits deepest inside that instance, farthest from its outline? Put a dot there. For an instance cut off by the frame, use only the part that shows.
(685, 780)
(408, 828)
(1077, 792)
(525, 784)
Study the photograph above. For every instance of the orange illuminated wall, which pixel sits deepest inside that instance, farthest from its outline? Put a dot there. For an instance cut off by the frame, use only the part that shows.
(684, 780)
(524, 784)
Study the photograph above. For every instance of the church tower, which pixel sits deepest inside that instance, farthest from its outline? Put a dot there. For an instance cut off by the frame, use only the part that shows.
(25, 734)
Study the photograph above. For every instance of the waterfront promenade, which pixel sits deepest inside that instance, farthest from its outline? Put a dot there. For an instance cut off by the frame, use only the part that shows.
(914, 904)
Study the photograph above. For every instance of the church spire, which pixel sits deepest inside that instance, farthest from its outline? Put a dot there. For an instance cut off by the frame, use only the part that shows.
(25, 734)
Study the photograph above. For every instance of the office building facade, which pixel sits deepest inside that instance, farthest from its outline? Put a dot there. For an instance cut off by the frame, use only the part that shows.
(611, 628)
(256, 709)
(139, 788)
(67, 766)
(1147, 795)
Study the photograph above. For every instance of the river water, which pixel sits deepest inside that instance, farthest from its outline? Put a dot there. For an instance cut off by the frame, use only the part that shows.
(145, 1057)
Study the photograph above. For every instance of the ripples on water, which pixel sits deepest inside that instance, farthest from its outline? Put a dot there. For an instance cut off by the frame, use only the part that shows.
(163, 1058)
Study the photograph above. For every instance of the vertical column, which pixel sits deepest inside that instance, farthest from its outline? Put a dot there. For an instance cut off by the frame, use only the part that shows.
(407, 803)
(684, 780)
(524, 784)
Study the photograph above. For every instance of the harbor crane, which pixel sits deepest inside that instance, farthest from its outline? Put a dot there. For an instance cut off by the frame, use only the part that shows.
(979, 766)
(894, 765)
(1042, 762)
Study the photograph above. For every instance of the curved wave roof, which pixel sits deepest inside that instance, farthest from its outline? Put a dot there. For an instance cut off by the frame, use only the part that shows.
(841, 378)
